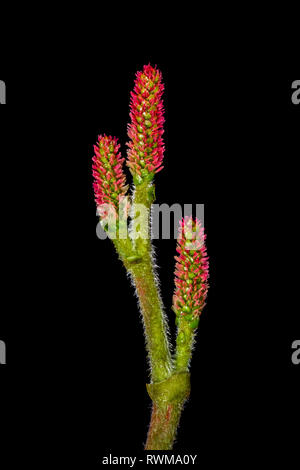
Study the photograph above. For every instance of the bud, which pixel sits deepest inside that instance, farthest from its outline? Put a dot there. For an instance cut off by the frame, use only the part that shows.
(109, 178)
(191, 272)
(146, 148)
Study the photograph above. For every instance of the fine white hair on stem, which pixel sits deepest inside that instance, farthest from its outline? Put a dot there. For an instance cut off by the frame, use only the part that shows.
(158, 285)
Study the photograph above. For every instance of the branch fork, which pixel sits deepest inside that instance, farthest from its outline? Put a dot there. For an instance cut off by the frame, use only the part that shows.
(169, 387)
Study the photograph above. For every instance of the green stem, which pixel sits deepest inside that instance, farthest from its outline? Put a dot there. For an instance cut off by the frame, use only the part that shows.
(168, 399)
(136, 253)
(184, 345)
(169, 387)
(152, 310)
(163, 426)
(147, 289)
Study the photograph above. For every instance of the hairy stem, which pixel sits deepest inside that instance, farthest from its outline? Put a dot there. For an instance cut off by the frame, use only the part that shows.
(163, 427)
(168, 388)
(142, 271)
(184, 345)
(152, 310)
(168, 398)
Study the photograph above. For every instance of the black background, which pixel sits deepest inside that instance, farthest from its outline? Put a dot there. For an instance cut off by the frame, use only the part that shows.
(74, 384)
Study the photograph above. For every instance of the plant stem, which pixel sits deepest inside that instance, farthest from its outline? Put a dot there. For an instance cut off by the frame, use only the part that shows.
(168, 399)
(152, 310)
(184, 345)
(163, 427)
(143, 275)
(168, 388)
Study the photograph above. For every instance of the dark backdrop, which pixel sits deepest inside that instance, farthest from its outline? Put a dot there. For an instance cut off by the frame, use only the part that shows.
(74, 383)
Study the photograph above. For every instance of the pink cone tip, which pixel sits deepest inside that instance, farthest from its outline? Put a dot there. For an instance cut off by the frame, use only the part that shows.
(191, 270)
(109, 178)
(146, 147)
